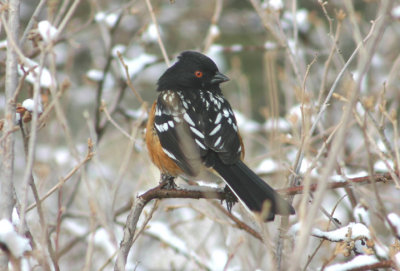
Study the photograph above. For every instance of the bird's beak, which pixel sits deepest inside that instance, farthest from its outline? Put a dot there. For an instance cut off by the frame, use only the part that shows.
(219, 78)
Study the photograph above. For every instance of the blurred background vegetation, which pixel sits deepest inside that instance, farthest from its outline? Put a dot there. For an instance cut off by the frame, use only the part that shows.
(282, 58)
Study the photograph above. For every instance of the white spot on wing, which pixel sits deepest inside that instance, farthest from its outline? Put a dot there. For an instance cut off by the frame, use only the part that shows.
(200, 144)
(217, 142)
(197, 132)
(226, 112)
(216, 129)
(171, 123)
(170, 155)
(218, 118)
(165, 126)
(188, 119)
(159, 128)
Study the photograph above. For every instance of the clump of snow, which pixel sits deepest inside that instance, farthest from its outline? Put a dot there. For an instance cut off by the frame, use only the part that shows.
(357, 230)
(272, 4)
(150, 35)
(383, 166)
(219, 258)
(396, 12)
(16, 244)
(214, 30)
(62, 156)
(361, 214)
(269, 45)
(301, 18)
(3, 44)
(102, 239)
(137, 64)
(267, 166)
(397, 259)
(215, 52)
(109, 19)
(95, 75)
(246, 124)
(138, 113)
(29, 104)
(395, 221)
(118, 48)
(47, 31)
(357, 262)
(15, 217)
(236, 47)
(279, 124)
(45, 78)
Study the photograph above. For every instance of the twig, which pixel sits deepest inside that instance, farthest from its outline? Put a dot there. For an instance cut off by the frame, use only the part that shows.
(238, 223)
(364, 65)
(160, 42)
(89, 156)
(334, 185)
(128, 79)
(211, 36)
(7, 145)
(32, 20)
(103, 108)
(156, 193)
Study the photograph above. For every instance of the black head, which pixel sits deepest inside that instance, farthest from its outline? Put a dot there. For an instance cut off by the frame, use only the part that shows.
(192, 71)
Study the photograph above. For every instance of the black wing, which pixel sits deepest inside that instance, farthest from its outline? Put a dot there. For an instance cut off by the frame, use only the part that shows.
(174, 133)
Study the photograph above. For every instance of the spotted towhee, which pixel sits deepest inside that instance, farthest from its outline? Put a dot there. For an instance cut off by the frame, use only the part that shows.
(192, 127)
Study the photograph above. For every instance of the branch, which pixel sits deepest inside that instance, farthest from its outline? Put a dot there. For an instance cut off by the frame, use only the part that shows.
(333, 185)
(156, 193)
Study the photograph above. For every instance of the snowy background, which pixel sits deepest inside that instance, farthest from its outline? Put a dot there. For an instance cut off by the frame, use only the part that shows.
(299, 76)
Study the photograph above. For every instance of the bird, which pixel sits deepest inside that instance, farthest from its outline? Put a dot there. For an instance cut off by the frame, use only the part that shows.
(192, 129)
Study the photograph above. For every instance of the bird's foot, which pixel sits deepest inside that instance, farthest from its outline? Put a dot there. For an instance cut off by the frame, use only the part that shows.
(167, 182)
(230, 198)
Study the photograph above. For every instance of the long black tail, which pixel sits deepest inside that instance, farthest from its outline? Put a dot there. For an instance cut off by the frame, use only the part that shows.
(251, 189)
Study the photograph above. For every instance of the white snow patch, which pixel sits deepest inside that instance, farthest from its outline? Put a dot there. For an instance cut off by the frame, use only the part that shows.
(109, 19)
(246, 124)
(164, 233)
(150, 35)
(395, 221)
(29, 105)
(383, 165)
(214, 30)
(118, 48)
(45, 78)
(77, 229)
(269, 45)
(361, 215)
(219, 258)
(396, 12)
(47, 31)
(102, 239)
(358, 231)
(357, 262)
(138, 113)
(267, 166)
(135, 65)
(95, 75)
(15, 217)
(301, 20)
(397, 259)
(16, 244)
(280, 124)
(272, 4)
(3, 44)
(62, 156)
(215, 52)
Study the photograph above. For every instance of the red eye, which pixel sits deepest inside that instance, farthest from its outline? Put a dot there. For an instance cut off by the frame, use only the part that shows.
(198, 74)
